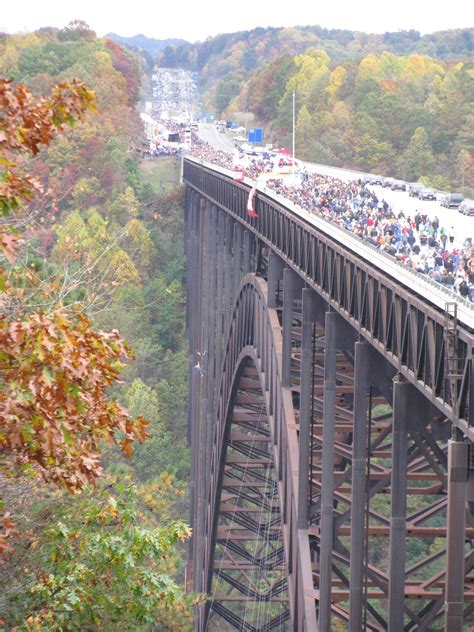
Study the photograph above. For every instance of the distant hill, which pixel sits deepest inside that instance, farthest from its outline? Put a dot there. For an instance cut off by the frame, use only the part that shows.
(150, 44)
(226, 62)
(243, 52)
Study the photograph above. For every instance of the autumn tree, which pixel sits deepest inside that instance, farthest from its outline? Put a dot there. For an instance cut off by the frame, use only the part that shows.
(418, 158)
(55, 369)
(76, 30)
(104, 564)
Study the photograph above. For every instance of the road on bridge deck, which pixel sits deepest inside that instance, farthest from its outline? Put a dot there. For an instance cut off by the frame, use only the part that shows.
(401, 201)
(216, 139)
(462, 225)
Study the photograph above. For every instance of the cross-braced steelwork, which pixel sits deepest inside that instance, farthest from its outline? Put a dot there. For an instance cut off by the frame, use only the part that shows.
(330, 421)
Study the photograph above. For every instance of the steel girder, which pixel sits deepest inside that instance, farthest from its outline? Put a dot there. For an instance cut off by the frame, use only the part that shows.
(408, 331)
(361, 438)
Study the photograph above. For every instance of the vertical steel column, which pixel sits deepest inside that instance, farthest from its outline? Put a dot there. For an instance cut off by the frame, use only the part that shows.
(211, 324)
(247, 260)
(228, 277)
(275, 272)
(290, 281)
(238, 238)
(197, 403)
(327, 481)
(205, 294)
(220, 308)
(187, 252)
(359, 455)
(191, 270)
(396, 591)
(457, 476)
(192, 280)
(212, 270)
(306, 396)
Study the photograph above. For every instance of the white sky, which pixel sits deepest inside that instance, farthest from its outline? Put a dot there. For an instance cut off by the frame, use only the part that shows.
(198, 19)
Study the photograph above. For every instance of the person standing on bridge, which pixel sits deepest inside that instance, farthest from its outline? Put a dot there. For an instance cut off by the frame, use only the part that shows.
(451, 235)
(443, 237)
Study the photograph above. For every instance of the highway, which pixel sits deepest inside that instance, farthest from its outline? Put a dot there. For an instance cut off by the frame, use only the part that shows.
(210, 134)
(174, 94)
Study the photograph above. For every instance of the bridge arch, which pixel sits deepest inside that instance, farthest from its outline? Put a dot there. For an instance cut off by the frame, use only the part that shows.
(256, 419)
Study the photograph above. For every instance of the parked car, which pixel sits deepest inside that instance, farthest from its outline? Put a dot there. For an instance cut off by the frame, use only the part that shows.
(398, 185)
(467, 208)
(365, 180)
(376, 180)
(427, 194)
(387, 182)
(453, 200)
(414, 189)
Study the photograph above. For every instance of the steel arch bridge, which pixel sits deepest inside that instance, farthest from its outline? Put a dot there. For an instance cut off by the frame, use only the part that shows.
(331, 421)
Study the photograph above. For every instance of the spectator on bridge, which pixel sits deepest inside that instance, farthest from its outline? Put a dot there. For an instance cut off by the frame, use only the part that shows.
(417, 242)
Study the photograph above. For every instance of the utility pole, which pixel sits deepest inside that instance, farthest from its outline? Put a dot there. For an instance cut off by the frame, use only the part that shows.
(294, 124)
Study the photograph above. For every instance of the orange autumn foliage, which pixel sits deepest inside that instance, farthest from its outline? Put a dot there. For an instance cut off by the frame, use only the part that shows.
(54, 406)
(26, 123)
(55, 370)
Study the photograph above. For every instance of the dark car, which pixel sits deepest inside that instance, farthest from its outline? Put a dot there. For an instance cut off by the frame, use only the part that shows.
(414, 189)
(453, 200)
(427, 194)
(398, 185)
(467, 208)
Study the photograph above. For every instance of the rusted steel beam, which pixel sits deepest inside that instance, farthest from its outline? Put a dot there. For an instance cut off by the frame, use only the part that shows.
(458, 453)
(328, 474)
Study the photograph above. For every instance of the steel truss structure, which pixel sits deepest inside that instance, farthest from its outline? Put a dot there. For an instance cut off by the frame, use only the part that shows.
(331, 426)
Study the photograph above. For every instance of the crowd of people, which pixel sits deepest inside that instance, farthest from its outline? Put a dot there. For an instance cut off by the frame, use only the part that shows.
(418, 242)
(162, 150)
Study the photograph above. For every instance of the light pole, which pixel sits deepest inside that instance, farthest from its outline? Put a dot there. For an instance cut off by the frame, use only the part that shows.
(294, 124)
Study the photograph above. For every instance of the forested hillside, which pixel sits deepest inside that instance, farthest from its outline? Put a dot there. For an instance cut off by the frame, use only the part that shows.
(226, 60)
(399, 103)
(93, 247)
(406, 116)
(147, 47)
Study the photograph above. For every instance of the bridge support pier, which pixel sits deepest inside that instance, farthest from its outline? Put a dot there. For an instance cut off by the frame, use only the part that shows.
(327, 483)
(197, 393)
(207, 283)
(308, 309)
(275, 272)
(458, 452)
(237, 256)
(247, 258)
(228, 277)
(359, 481)
(220, 308)
(192, 325)
(401, 391)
